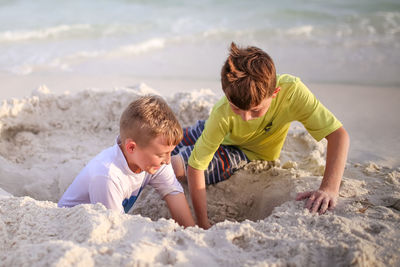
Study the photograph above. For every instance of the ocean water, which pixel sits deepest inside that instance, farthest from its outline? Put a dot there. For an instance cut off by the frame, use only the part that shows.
(337, 41)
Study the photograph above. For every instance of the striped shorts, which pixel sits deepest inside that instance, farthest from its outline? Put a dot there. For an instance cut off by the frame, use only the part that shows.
(226, 160)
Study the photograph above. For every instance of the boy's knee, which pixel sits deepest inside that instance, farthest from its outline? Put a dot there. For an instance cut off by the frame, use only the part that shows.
(179, 167)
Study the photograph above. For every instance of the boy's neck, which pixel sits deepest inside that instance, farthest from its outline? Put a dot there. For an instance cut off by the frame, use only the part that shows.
(135, 169)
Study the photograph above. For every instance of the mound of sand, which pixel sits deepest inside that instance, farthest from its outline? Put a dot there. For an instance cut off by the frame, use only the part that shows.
(46, 139)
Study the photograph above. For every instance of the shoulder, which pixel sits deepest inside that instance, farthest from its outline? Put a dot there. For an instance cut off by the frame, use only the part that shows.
(288, 83)
(286, 79)
(102, 181)
(105, 157)
(291, 86)
(108, 164)
(220, 116)
(221, 109)
(221, 105)
(165, 171)
(164, 178)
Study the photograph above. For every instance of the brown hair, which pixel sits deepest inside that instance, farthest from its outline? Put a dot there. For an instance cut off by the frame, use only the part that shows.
(149, 117)
(248, 76)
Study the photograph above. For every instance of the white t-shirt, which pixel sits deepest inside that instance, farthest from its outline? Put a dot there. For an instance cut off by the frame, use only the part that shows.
(107, 179)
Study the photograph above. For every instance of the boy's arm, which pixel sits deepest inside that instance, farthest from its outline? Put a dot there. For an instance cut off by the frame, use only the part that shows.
(197, 189)
(179, 209)
(165, 182)
(326, 197)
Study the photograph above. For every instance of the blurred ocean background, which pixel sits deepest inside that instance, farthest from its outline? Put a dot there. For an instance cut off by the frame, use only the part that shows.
(351, 46)
(337, 41)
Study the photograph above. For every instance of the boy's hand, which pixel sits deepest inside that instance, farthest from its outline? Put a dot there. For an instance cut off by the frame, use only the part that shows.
(318, 200)
(179, 209)
(205, 225)
(326, 197)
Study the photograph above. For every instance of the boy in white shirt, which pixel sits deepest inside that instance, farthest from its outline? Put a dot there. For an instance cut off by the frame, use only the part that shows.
(149, 131)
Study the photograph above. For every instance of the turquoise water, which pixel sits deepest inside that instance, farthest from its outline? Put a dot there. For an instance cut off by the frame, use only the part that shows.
(339, 41)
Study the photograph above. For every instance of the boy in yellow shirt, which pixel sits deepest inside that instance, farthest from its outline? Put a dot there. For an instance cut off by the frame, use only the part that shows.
(251, 122)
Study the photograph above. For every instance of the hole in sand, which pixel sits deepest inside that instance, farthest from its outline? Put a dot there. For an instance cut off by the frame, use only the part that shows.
(12, 133)
(251, 193)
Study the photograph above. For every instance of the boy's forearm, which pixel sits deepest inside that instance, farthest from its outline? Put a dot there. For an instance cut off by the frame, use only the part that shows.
(338, 146)
(197, 188)
(179, 209)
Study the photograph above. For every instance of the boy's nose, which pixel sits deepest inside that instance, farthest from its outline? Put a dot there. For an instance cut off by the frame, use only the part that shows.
(245, 115)
(167, 159)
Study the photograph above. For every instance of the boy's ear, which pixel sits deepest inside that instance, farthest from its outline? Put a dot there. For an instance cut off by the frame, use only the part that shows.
(276, 92)
(130, 145)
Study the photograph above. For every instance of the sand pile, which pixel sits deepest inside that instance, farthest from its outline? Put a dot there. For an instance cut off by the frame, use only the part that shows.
(46, 139)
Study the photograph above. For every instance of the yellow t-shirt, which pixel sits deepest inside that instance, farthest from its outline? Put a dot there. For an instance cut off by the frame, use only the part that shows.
(263, 138)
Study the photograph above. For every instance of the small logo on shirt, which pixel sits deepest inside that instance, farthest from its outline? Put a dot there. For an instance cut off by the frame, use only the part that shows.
(268, 127)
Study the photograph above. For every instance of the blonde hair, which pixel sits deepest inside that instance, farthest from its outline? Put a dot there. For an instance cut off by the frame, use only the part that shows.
(148, 117)
(248, 76)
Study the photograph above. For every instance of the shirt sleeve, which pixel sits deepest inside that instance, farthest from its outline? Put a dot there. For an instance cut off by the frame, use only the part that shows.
(103, 190)
(215, 130)
(308, 110)
(164, 181)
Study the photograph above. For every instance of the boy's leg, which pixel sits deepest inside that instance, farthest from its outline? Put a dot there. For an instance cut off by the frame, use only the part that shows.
(190, 136)
(226, 161)
(179, 167)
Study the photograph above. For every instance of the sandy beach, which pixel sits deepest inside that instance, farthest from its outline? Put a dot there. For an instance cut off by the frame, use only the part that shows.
(69, 68)
(48, 137)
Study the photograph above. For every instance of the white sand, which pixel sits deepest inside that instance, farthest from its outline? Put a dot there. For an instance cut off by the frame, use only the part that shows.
(46, 139)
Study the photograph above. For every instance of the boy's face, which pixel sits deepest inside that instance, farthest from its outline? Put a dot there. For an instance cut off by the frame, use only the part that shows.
(150, 157)
(257, 111)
